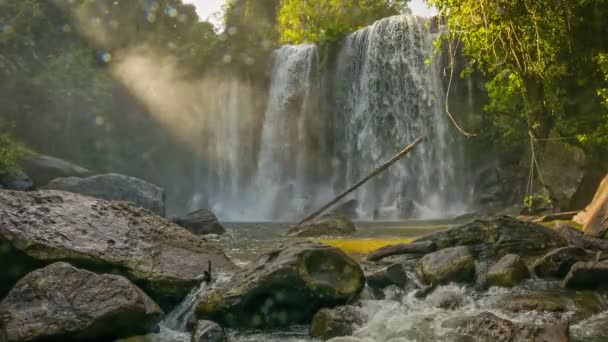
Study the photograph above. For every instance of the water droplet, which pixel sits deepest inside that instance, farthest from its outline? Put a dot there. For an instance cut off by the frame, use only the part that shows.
(105, 57)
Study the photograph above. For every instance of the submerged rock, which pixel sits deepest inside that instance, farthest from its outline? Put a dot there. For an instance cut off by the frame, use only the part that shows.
(595, 217)
(201, 222)
(448, 265)
(47, 226)
(333, 225)
(60, 302)
(115, 187)
(42, 169)
(587, 275)
(207, 331)
(509, 271)
(495, 238)
(557, 263)
(337, 322)
(416, 248)
(488, 327)
(284, 287)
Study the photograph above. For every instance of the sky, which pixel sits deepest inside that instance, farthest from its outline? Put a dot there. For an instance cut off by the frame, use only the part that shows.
(206, 8)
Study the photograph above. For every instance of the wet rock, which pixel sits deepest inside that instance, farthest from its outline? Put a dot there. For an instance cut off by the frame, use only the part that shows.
(595, 217)
(509, 271)
(416, 248)
(557, 263)
(15, 180)
(60, 302)
(488, 327)
(284, 287)
(337, 322)
(332, 225)
(207, 331)
(163, 258)
(114, 187)
(201, 222)
(394, 274)
(587, 275)
(448, 265)
(582, 304)
(495, 238)
(42, 169)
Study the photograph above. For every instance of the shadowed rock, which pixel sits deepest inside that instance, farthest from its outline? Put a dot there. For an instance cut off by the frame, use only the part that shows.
(284, 287)
(395, 274)
(114, 187)
(15, 180)
(418, 248)
(557, 263)
(587, 275)
(201, 222)
(509, 271)
(163, 258)
(61, 303)
(207, 331)
(43, 169)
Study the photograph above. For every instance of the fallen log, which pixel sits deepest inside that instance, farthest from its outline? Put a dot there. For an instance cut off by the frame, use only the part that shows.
(577, 238)
(376, 172)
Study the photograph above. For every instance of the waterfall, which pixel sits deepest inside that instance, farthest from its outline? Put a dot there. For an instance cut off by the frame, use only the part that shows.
(330, 119)
(389, 94)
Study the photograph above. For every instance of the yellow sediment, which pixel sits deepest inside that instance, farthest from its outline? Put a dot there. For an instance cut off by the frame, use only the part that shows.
(362, 246)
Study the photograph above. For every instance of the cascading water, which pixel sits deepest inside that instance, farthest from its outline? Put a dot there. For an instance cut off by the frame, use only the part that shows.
(329, 121)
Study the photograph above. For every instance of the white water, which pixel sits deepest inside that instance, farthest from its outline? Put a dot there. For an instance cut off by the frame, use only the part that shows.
(331, 120)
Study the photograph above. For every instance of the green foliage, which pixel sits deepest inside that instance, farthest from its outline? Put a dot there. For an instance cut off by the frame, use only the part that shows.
(537, 201)
(328, 20)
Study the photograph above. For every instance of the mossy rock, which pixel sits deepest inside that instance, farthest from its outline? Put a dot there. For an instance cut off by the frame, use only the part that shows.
(509, 271)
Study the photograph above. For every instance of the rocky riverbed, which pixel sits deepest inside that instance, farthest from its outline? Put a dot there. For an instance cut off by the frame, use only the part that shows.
(81, 268)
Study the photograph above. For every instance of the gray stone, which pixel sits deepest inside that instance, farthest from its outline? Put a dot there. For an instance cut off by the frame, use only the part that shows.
(115, 187)
(336, 322)
(331, 225)
(201, 222)
(42, 169)
(48, 226)
(488, 327)
(509, 271)
(448, 265)
(395, 274)
(62, 303)
(563, 171)
(207, 331)
(284, 287)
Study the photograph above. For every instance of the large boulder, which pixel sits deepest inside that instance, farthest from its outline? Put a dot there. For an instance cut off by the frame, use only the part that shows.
(284, 287)
(336, 322)
(557, 263)
(207, 331)
(394, 274)
(201, 222)
(62, 303)
(489, 327)
(416, 248)
(43, 169)
(114, 187)
(595, 217)
(448, 265)
(563, 171)
(333, 225)
(587, 275)
(495, 238)
(48, 226)
(509, 271)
